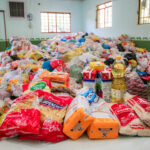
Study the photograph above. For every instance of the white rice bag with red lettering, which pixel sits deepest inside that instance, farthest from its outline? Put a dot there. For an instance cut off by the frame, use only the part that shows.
(130, 124)
(141, 107)
(53, 109)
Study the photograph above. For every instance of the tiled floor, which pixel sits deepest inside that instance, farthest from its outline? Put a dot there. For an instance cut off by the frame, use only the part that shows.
(122, 143)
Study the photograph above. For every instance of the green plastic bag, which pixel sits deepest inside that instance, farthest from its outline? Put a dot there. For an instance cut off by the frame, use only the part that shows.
(71, 41)
(76, 72)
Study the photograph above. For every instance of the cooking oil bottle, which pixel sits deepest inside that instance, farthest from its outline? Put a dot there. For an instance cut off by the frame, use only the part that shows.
(118, 85)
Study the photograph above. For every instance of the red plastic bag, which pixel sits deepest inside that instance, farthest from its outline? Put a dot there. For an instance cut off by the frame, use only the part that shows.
(22, 118)
(53, 109)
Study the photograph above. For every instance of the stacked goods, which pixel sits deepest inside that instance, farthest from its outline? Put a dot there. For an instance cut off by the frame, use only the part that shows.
(118, 85)
(89, 76)
(105, 125)
(52, 111)
(23, 117)
(141, 107)
(88, 111)
(130, 123)
(97, 65)
(77, 118)
(105, 80)
(41, 85)
(58, 79)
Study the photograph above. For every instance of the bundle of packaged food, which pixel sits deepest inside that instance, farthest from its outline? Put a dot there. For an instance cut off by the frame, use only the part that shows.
(97, 65)
(89, 76)
(58, 79)
(130, 123)
(104, 125)
(53, 110)
(104, 84)
(135, 85)
(78, 117)
(141, 107)
(22, 118)
(63, 91)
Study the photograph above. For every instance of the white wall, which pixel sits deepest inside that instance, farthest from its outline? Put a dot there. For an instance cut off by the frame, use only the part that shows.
(19, 27)
(124, 19)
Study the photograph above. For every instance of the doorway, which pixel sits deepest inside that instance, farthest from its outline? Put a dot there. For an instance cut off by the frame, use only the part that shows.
(3, 33)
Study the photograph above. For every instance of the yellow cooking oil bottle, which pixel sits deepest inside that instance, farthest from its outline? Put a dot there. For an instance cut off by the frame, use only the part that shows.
(118, 84)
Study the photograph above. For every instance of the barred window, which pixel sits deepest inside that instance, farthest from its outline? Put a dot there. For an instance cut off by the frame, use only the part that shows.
(144, 12)
(55, 22)
(104, 15)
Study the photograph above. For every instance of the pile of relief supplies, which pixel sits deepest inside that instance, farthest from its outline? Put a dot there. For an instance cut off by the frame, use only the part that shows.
(62, 87)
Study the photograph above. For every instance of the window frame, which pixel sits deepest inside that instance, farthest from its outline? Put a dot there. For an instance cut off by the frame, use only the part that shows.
(139, 14)
(17, 1)
(97, 9)
(56, 20)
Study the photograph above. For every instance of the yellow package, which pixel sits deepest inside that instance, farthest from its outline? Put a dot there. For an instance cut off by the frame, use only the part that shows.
(36, 56)
(77, 118)
(97, 65)
(33, 86)
(79, 51)
(95, 38)
(28, 54)
(15, 81)
(68, 56)
(22, 54)
(58, 79)
(140, 50)
(33, 67)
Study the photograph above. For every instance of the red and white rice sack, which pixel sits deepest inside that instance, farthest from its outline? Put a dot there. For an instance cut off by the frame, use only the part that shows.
(130, 124)
(141, 107)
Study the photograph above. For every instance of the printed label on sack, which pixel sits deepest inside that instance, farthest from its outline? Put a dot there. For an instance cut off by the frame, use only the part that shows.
(117, 94)
(51, 104)
(38, 86)
(137, 126)
(124, 113)
(142, 102)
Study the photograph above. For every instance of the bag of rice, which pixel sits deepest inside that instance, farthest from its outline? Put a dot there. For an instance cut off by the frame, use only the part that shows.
(130, 124)
(141, 107)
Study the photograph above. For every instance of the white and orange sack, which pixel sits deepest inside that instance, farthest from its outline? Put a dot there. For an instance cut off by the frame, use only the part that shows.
(77, 118)
(104, 125)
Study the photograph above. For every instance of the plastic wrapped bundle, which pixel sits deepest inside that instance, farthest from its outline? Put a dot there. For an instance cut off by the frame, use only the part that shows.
(135, 85)
(141, 107)
(130, 124)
